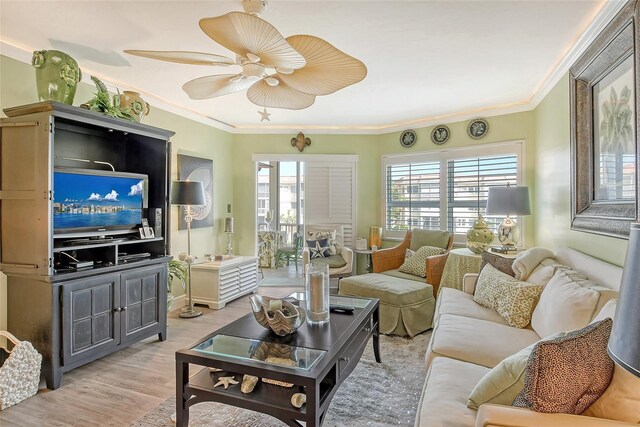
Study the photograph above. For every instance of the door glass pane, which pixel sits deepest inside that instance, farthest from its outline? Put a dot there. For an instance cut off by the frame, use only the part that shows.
(288, 190)
(263, 201)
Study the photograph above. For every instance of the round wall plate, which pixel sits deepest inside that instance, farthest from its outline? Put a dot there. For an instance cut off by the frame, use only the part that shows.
(477, 128)
(408, 138)
(440, 134)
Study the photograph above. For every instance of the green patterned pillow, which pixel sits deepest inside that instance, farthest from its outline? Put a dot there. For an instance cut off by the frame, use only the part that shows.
(417, 263)
(512, 299)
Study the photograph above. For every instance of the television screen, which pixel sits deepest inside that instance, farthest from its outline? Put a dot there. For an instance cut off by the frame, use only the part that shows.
(96, 200)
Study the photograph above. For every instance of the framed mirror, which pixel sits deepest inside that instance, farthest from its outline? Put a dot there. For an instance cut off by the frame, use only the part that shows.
(604, 130)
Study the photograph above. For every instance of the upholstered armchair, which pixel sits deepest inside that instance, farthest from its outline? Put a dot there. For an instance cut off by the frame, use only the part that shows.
(340, 264)
(387, 261)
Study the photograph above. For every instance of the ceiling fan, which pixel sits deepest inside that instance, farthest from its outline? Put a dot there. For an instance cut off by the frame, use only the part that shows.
(276, 72)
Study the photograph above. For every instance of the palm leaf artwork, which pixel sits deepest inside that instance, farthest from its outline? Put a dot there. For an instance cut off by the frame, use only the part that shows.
(616, 140)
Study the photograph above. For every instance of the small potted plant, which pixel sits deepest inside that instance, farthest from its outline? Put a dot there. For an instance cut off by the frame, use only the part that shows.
(177, 270)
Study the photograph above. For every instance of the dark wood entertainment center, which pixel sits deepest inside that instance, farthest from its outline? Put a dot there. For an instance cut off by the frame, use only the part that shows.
(74, 316)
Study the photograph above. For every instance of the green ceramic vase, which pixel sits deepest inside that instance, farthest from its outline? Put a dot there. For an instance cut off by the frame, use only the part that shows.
(479, 237)
(57, 75)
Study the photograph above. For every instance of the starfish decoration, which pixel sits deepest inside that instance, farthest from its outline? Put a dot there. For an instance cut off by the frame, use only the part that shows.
(265, 115)
(318, 251)
(300, 142)
(225, 381)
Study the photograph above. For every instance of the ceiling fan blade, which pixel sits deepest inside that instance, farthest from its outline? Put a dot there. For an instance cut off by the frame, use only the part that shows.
(328, 69)
(247, 34)
(280, 96)
(212, 86)
(183, 57)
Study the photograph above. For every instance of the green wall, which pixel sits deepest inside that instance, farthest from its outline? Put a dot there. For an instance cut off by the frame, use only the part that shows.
(17, 87)
(553, 182)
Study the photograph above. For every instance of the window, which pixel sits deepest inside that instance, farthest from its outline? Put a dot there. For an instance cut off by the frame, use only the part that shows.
(446, 189)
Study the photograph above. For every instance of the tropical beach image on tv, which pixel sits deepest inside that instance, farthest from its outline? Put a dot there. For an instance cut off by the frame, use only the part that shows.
(96, 201)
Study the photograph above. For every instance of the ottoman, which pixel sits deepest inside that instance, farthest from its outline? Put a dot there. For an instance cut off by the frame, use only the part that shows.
(406, 306)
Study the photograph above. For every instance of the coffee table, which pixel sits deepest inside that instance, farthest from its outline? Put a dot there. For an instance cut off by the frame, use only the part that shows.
(323, 357)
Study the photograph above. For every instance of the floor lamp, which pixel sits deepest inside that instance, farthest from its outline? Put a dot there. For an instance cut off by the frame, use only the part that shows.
(187, 194)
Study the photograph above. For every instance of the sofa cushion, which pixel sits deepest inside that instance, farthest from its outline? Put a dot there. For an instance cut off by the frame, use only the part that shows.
(620, 401)
(453, 301)
(318, 248)
(543, 272)
(444, 396)
(333, 261)
(512, 299)
(568, 302)
(568, 374)
(609, 310)
(500, 263)
(330, 235)
(477, 341)
(437, 238)
(417, 263)
(401, 275)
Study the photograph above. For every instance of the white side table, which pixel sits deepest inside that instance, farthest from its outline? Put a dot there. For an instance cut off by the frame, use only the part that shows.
(215, 283)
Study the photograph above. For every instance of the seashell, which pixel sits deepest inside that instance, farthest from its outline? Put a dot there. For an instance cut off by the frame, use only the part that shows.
(282, 322)
(248, 383)
(298, 399)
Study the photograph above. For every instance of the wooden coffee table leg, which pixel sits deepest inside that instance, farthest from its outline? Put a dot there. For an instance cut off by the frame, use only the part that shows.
(182, 378)
(376, 335)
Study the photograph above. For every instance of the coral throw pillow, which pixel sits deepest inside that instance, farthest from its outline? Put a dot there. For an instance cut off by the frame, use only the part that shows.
(568, 374)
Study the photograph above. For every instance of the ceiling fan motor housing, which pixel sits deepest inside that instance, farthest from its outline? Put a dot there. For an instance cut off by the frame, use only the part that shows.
(254, 7)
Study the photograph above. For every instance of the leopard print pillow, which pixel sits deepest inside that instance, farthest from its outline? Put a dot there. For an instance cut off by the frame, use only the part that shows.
(568, 374)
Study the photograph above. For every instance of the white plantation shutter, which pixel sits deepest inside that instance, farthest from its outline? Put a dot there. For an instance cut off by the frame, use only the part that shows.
(468, 182)
(413, 196)
(330, 195)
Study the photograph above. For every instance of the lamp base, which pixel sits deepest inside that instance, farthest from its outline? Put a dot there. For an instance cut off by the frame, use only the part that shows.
(189, 312)
(509, 233)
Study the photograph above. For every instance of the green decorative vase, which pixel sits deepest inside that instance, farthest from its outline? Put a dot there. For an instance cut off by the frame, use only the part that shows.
(57, 75)
(479, 237)
(138, 107)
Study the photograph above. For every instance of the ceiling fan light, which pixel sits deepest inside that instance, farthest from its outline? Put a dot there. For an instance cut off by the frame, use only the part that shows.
(253, 71)
(253, 58)
(254, 7)
(236, 78)
(283, 70)
(272, 81)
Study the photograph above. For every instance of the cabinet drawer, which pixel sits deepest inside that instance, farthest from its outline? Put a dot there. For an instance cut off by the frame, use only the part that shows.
(348, 359)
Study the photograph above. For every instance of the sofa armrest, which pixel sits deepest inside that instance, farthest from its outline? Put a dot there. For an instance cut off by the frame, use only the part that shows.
(508, 416)
(347, 255)
(435, 267)
(469, 283)
(390, 258)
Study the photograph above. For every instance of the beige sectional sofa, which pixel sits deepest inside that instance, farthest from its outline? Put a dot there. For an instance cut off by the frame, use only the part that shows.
(468, 340)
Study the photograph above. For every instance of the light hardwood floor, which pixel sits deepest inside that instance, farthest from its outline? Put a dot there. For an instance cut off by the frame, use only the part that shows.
(120, 388)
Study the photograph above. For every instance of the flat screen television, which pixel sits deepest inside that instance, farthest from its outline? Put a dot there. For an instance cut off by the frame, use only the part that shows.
(92, 203)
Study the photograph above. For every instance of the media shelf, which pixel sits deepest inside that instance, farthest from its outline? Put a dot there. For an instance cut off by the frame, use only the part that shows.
(74, 316)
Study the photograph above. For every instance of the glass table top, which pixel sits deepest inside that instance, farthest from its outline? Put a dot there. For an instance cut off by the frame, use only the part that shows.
(260, 351)
(337, 299)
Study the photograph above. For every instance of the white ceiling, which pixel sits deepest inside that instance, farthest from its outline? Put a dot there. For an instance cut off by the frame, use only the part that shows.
(428, 61)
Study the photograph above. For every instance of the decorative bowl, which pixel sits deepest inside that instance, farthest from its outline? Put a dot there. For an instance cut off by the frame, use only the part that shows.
(280, 316)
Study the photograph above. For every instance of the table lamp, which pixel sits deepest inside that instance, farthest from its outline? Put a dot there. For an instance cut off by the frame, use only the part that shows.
(508, 201)
(187, 194)
(624, 344)
(228, 228)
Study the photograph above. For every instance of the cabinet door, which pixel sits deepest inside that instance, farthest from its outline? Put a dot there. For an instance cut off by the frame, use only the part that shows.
(26, 190)
(90, 322)
(143, 294)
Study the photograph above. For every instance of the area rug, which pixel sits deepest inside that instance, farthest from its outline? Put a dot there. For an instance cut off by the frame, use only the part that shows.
(375, 394)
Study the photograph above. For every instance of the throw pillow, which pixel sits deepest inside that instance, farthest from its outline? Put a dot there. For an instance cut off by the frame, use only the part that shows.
(417, 264)
(568, 374)
(505, 381)
(512, 299)
(330, 235)
(554, 314)
(609, 310)
(499, 262)
(318, 248)
(620, 401)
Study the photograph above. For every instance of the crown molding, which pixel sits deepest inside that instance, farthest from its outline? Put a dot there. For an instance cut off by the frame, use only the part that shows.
(600, 19)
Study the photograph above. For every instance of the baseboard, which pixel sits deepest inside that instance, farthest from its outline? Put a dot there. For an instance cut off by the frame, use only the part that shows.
(178, 303)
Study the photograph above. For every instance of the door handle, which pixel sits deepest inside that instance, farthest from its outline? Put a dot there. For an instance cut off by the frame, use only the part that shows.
(117, 309)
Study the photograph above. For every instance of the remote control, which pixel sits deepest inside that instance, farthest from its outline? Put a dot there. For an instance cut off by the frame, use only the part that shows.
(341, 308)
